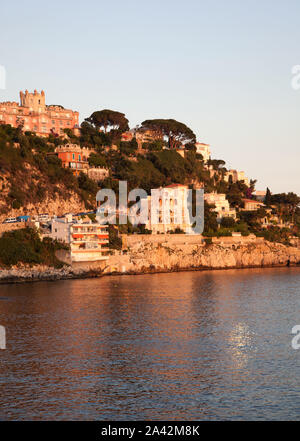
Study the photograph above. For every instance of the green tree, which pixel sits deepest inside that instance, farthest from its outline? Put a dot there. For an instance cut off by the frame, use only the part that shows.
(170, 164)
(210, 220)
(268, 198)
(87, 184)
(90, 136)
(108, 120)
(128, 147)
(97, 160)
(227, 222)
(176, 132)
(115, 242)
(155, 145)
(287, 204)
(217, 164)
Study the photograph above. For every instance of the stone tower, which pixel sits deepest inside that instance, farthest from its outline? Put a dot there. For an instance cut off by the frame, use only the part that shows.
(34, 101)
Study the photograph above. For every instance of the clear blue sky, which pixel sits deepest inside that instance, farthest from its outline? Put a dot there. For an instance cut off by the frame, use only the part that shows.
(223, 68)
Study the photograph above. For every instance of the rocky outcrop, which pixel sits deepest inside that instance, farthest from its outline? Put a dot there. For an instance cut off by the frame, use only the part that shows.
(39, 194)
(152, 257)
(52, 205)
(42, 272)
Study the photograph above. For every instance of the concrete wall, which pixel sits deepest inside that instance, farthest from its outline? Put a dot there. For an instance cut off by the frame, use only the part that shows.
(60, 231)
(184, 239)
(171, 239)
(13, 226)
(65, 256)
(237, 240)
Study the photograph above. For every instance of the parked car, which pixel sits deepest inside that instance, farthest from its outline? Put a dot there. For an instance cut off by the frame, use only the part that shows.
(10, 220)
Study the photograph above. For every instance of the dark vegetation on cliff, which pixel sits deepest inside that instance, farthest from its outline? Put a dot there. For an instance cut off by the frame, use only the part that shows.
(25, 246)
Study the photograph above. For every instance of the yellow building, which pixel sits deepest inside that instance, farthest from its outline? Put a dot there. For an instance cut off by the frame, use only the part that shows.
(222, 207)
(235, 176)
(252, 205)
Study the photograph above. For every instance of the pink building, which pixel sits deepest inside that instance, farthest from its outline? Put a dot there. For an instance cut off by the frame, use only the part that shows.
(34, 115)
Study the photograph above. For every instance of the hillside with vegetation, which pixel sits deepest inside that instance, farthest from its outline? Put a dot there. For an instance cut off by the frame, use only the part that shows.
(31, 175)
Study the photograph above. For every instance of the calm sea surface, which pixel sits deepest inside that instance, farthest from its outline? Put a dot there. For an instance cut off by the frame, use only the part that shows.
(189, 346)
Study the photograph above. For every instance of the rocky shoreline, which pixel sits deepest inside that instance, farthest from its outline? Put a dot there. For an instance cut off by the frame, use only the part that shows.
(43, 273)
(52, 275)
(156, 258)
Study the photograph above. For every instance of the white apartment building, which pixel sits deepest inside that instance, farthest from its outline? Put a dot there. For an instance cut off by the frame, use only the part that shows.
(88, 241)
(204, 150)
(172, 201)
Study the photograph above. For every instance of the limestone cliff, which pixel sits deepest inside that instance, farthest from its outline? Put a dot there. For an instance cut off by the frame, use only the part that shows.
(145, 257)
(37, 194)
(52, 205)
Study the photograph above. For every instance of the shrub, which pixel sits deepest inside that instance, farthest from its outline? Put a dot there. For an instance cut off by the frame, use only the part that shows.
(227, 222)
(25, 246)
(115, 242)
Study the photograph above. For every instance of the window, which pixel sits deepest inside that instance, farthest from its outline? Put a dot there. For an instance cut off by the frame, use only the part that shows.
(79, 157)
(73, 156)
(91, 246)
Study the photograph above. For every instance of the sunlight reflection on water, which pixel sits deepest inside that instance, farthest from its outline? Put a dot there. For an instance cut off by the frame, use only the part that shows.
(192, 346)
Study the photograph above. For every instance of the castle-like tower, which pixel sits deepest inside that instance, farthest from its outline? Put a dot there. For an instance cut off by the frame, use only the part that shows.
(34, 115)
(34, 101)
